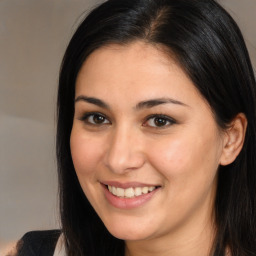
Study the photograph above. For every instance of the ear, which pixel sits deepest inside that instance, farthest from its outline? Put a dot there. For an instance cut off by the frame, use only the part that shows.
(234, 139)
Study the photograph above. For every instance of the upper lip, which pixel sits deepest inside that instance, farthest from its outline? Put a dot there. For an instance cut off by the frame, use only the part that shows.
(125, 185)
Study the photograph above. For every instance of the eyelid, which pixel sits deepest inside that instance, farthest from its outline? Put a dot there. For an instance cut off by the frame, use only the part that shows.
(167, 118)
(88, 114)
(170, 121)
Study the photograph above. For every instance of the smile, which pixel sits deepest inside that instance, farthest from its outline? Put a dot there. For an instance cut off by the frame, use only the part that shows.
(128, 195)
(130, 192)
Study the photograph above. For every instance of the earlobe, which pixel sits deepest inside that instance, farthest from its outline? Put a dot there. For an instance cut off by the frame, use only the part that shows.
(234, 139)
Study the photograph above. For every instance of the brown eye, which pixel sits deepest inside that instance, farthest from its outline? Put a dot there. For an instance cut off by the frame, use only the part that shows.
(98, 119)
(95, 119)
(159, 121)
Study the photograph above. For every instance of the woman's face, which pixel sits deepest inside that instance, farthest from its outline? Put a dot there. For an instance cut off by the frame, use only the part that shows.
(144, 143)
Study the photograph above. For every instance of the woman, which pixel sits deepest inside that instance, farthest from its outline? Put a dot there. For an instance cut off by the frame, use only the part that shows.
(156, 133)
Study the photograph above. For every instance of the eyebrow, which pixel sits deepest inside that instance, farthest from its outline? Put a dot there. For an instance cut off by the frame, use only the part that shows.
(159, 101)
(143, 104)
(92, 100)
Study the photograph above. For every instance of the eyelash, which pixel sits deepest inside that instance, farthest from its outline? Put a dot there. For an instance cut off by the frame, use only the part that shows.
(85, 118)
(166, 120)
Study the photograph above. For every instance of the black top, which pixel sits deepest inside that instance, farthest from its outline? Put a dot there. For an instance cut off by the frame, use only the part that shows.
(38, 243)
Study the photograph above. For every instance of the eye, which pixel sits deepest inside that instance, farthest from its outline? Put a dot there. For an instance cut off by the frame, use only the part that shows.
(159, 121)
(95, 119)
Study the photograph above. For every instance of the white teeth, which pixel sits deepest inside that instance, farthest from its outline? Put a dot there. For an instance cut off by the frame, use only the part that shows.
(114, 191)
(138, 191)
(130, 192)
(120, 192)
(145, 190)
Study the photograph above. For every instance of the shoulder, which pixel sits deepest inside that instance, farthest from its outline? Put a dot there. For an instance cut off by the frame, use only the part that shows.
(36, 243)
(8, 249)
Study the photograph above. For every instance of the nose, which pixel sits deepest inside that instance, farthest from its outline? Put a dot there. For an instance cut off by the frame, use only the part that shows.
(124, 152)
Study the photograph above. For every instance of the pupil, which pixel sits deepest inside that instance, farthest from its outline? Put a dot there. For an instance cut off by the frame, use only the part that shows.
(160, 122)
(98, 119)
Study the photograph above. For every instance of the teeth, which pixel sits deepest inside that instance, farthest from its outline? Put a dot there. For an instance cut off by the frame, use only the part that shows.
(138, 191)
(130, 192)
(145, 190)
(120, 192)
(114, 191)
(151, 189)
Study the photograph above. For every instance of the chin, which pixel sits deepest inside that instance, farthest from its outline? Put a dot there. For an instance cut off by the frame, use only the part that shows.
(127, 236)
(132, 232)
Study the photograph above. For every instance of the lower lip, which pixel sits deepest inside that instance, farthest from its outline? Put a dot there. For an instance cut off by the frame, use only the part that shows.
(128, 203)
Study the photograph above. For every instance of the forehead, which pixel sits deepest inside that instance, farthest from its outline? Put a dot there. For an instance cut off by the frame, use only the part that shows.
(137, 70)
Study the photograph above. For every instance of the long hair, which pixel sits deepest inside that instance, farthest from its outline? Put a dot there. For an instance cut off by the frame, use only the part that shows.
(209, 47)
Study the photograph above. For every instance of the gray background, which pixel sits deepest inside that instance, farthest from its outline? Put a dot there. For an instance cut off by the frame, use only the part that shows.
(33, 37)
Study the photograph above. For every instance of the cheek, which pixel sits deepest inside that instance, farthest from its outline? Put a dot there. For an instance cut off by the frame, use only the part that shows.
(186, 156)
(170, 157)
(85, 153)
(189, 176)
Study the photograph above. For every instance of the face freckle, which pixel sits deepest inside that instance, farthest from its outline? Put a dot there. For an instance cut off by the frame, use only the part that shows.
(135, 85)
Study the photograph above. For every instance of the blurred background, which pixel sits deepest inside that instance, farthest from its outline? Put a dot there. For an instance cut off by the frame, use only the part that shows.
(33, 38)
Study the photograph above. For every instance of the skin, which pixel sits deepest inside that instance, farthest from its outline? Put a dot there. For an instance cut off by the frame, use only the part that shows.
(8, 249)
(182, 155)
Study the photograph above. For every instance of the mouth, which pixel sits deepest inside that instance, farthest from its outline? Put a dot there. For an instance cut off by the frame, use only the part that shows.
(129, 195)
(130, 192)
